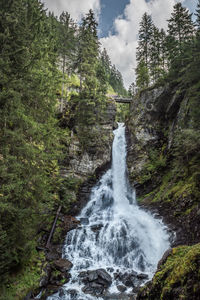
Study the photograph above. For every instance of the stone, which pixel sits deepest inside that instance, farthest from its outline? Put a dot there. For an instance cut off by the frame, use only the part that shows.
(93, 275)
(84, 221)
(93, 289)
(121, 288)
(127, 279)
(105, 276)
(73, 294)
(70, 223)
(62, 265)
(96, 281)
(96, 227)
(142, 276)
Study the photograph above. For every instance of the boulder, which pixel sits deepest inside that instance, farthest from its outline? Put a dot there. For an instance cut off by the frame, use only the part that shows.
(84, 221)
(96, 281)
(121, 288)
(63, 265)
(96, 227)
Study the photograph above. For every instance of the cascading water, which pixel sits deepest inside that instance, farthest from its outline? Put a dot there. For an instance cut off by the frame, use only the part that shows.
(116, 235)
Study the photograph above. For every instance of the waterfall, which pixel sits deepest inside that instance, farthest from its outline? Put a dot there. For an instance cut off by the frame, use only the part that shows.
(116, 235)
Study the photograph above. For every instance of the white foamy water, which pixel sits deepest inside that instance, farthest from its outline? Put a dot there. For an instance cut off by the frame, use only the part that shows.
(117, 235)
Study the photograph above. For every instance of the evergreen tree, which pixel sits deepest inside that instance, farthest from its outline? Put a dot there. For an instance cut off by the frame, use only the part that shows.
(29, 136)
(132, 90)
(142, 75)
(197, 14)
(155, 54)
(145, 35)
(88, 55)
(163, 52)
(180, 30)
(67, 46)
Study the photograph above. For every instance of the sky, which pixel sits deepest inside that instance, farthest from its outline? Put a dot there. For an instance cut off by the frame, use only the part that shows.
(119, 24)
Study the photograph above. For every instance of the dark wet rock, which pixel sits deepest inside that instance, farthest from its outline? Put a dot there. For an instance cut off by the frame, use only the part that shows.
(96, 227)
(62, 292)
(142, 276)
(128, 279)
(121, 296)
(70, 223)
(105, 276)
(50, 290)
(92, 275)
(62, 265)
(73, 294)
(93, 289)
(84, 221)
(111, 270)
(96, 281)
(121, 288)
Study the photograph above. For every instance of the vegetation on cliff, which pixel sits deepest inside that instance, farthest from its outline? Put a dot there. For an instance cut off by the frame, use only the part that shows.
(177, 276)
(164, 155)
(52, 73)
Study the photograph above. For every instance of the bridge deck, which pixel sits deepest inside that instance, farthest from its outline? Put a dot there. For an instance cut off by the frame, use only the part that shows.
(120, 99)
(123, 100)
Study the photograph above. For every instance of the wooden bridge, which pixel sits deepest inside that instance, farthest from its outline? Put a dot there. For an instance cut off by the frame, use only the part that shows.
(119, 99)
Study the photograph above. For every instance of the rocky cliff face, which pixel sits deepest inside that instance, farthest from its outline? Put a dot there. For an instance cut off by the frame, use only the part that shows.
(160, 164)
(84, 162)
(88, 155)
(163, 164)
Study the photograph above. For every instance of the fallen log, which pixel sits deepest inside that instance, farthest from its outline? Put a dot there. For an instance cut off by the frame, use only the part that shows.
(53, 227)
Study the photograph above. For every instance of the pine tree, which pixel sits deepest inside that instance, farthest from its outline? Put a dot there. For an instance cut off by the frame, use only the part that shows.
(29, 136)
(197, 14)
(106, 62)
(88, 55)
(163, 52)
(142, 75)
(132, 89)
(67, 47)
(155, 54)
(145, 35)
(180, 30)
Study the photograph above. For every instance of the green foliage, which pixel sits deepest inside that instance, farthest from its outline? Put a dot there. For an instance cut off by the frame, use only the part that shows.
(156, 162)
(187, 143)
(26, 280)
(122, 112)
(68, 190)
(142, 73)
(29, 139)
(181, 265)
(145, 35)
(112, 75)
(162, 55)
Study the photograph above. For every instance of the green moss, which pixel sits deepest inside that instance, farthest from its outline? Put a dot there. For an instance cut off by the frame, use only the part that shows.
(156, 162)
(182, 264)
(25, 280)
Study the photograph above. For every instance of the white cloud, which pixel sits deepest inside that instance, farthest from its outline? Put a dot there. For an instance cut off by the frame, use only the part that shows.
(122, 45)
(77, 8)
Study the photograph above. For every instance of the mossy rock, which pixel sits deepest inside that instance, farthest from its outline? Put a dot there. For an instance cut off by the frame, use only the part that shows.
(177, 278)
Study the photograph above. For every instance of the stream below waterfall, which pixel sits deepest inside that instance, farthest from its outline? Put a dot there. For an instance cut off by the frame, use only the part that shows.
(118, 246)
